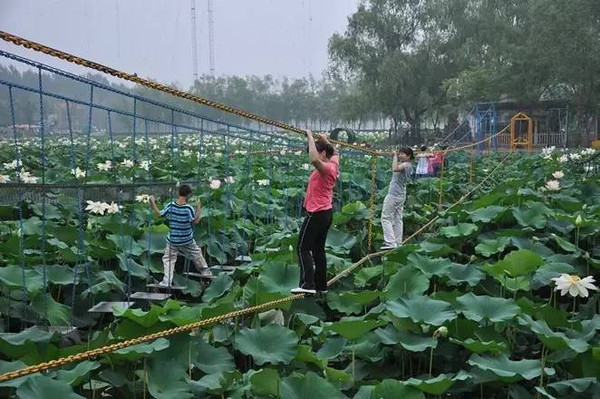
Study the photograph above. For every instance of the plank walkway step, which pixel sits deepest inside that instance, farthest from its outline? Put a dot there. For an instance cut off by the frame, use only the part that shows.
(108, 306)
(225, 268)
(63, 330)
(243, 259)
(199, 276)
(150, 296)
(161, 287)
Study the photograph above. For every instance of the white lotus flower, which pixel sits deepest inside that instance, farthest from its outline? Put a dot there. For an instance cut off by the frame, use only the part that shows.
(306, 166)
(574, 285)
(574, 157)
(145, 165)
(122, 146)
(12, 165)
(106, 166)
(26, 177)
(79, 174)
(112, 208)
(4, 179)
(229, 180)
(563, 158)
(558, 174)
(145, 198)
(96, 207)
(128, 163)
(263, 182)
(298, 153)
(282, 152)
(588, 168)
(215, 184)
(553, 185)
(187, 153)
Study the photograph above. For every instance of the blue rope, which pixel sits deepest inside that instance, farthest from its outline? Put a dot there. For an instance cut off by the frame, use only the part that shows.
(44, 164)
(20, 202)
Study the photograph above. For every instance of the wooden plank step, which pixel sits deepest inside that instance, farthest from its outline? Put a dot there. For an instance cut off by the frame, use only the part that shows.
(107, 306)
(150, 296)
(160, 287)
(243, 259)
(224, 268)
(63, 330)
(199, 276)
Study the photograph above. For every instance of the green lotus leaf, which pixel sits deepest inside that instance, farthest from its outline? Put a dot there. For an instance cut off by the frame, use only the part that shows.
(366, 274)
(139, 351)
(487, 214)
(6, 367)
(269, 344)
(434, 248)
(566, 388)
(437, 385)
(306, 355)
(509, 370)
(56, 313)
(491, 247)
(533, 214)
(484, 307)
(278, 277)
(340, 242)
(458, 274)
(553, 340)
(354, 329)
(392, 389)
(516, 264)
(351, 302)
(416, 343)
(218, 287)
(460, 230)
(308, 386)
(42, 387)
(564, 244)
(332, 347)
(265, 382)
(407, 280)
(338, 377)
(475, 346)
(422, 309)
(216, 383)
(77, 375)
(12, 278)
(211, 360)
(430, 267)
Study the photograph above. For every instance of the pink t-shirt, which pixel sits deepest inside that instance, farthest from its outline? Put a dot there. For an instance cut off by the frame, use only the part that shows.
(319, 192)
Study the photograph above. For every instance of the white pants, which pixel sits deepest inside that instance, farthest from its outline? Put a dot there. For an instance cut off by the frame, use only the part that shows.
(191, 251)
(391, 219)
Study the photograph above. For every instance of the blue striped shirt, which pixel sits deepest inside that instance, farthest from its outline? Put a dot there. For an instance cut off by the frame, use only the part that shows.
(180, 222)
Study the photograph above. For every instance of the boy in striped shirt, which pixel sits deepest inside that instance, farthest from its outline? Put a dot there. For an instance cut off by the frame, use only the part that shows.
(180, 240)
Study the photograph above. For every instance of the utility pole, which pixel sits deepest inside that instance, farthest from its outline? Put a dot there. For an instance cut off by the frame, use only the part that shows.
(194, 41)
(211, 37)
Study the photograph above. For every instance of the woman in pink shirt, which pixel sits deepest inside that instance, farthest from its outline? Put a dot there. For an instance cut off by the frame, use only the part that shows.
(319, 210)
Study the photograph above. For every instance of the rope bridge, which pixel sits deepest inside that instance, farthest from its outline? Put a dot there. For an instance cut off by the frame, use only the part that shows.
(240, 132)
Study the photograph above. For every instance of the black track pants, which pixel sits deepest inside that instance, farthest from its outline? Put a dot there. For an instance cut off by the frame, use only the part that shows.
(311, 250)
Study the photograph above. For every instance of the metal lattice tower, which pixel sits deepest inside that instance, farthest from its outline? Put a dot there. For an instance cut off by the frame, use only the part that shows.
(194, 41)
(211, 37)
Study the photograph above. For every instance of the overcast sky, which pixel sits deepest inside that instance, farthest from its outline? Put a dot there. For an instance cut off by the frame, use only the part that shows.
(153, 37)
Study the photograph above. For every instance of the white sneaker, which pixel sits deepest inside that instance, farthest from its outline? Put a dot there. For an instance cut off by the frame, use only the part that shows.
(164, 283)
(300, 290)
(387, 246)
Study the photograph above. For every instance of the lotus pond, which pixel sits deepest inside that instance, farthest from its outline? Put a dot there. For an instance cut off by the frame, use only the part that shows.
(468, 308)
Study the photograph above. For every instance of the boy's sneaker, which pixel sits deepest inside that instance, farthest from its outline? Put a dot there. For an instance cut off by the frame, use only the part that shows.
(164, 283)
(387, 246)
(300, 290)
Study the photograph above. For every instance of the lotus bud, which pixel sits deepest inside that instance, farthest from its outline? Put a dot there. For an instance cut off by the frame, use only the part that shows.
(578, 220)
(291, 248)
(441, 332)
